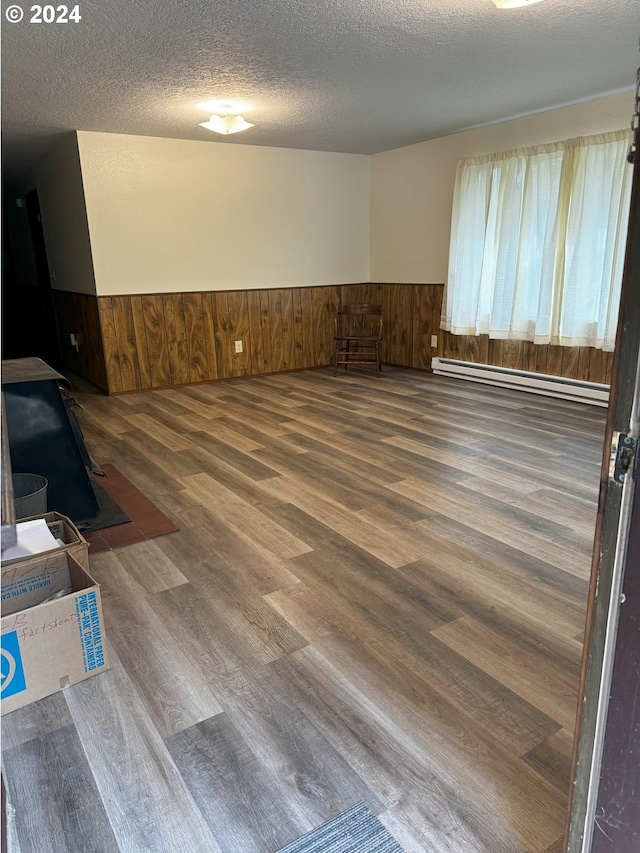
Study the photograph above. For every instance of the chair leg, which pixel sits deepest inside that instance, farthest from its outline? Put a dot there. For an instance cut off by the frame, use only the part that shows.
(346, 354)
(378, 360)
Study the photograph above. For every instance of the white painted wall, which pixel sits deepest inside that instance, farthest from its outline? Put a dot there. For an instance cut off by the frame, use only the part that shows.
(175, 215)
(64, 219)
(167, 215)
(412, 187)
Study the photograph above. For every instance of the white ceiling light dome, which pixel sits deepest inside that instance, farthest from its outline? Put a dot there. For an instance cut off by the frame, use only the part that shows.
(226, 124)
(512, 4)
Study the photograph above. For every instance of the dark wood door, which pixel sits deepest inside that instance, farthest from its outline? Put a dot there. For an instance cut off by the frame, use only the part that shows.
(48, 342)
(605, 809)
(28, 321)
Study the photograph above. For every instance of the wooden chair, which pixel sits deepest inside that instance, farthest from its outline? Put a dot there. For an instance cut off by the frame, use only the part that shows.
(358, 335)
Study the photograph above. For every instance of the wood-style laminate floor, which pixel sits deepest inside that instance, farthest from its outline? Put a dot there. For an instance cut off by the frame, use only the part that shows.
(377, 593)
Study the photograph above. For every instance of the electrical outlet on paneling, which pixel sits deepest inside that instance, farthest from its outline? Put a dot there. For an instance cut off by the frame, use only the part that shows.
(434, 342)
(239, 347)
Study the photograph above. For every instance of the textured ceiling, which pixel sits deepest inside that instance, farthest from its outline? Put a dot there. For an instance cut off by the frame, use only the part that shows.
(356, 76)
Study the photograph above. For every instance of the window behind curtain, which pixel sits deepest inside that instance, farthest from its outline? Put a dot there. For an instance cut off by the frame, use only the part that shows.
(537, 243)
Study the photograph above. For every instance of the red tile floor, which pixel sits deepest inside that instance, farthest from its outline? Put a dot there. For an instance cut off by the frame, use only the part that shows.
(147, 521)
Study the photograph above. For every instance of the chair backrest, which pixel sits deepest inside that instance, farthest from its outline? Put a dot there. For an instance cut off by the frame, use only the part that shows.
(360, 308)
(360, 318)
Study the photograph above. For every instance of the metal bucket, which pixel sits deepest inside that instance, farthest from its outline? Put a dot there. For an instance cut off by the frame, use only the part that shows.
(29, 495)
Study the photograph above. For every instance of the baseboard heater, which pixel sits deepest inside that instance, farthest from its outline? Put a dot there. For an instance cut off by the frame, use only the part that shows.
(524, 380)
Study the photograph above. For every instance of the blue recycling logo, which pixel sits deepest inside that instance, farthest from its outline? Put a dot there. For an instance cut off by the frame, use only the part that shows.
(12, 678)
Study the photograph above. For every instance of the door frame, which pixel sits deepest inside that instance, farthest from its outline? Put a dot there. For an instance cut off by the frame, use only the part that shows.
(611, 567)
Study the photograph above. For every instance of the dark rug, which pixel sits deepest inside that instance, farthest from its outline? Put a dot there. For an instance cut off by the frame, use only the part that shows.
(357, 830)
(140, 518)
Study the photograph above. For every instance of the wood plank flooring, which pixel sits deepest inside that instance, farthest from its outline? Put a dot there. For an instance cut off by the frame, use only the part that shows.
(377, 593)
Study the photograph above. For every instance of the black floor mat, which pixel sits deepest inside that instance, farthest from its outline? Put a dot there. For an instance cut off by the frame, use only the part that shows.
(110, 512)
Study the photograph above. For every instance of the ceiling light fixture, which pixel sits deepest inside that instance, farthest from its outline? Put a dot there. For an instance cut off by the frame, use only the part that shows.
(512, 4)
(226, 124)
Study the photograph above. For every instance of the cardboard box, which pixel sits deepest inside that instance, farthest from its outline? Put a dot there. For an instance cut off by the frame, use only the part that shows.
(41, 575)
(53, 645)
(64, 529)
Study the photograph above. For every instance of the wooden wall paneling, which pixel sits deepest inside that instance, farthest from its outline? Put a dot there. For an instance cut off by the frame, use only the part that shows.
(222, 334)
(288, 332)
(238, 307)
(110, 345)
(140, 331)
(208, 319)
(76, 316)
(425, 324)
(608, 366)
(156, 338)
(277, 349)
(478, 347)
(514, 354)
(474, 348)
(446, 346)
(324, 303)
(437, 299)
(176, 338)
(529, 355)
(64, 306)
(420, 325)
(172, 339)
(494, 349)
(598, 365)
(449, 344)
(77, 313)
(584, 358)
(603, 371)
(320, 326)
(265, 325)
(298, 329)
(542, 355)
(126, 343)
(407, 311)
(462, 347)
(368, 293)
(387, 323)
(554, 360)
(348, 295)
(569, 367)
(332, 297)
(195, 336)
(352, 294)
(97, 372)
(308, 341)
(396, 316)
(256, 343)
(374, 293)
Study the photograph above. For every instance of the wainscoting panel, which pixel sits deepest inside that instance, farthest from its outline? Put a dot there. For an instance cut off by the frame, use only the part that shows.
(163, 340)
(132, 343)
(77, 313)
(584, 363)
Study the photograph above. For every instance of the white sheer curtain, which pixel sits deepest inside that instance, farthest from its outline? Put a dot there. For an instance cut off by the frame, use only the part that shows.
(537, 243)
